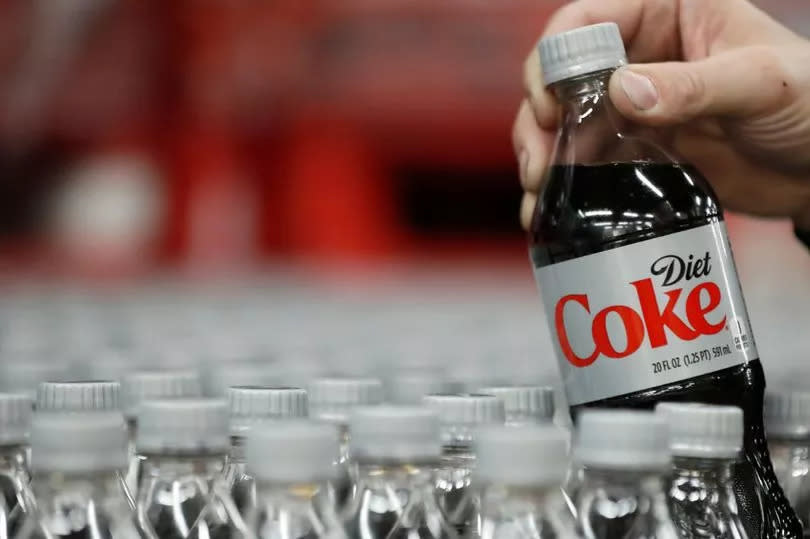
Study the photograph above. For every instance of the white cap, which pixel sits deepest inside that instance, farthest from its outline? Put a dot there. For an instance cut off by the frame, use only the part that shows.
(25, 376)
(703, 430)
(622, 440)
(81, 442)
(530, 455)
(79, 396)
(183, 426)
(409, 386)
(581, 51)
(459, 414)
(333, 399)
(15, 418)
(292, 451)
(141, 386)
(221, 375)
(250, 405)
(787, 414)
(395, 433)
(525, 402)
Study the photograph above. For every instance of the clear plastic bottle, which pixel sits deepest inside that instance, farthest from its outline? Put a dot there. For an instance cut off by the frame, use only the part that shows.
(332, 400)
(183, 444)
(249, 407)
(15, 426)
(141, 386)
(624, 455)
(77, 459)
(396, 450)
(706, 442)
(525, 405)
(787, 422)
(460, 416)
(520, 472)
(293, 463)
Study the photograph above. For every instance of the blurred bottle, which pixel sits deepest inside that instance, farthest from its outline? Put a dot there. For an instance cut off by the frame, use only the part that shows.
(332, 400)
(706, 442)
(625, 455)
(787, 422)
(77, 461)
(293, 463)
(460, 416)
(520, 472)
(396, 450)
(251, 407)
(525, 405)
(15, 426)
(183, 444)
(142, 386)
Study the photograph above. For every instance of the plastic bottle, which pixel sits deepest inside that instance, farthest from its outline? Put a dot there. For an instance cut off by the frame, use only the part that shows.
(396, 450)
(706, 442)
(525, 405)
(787, 420)
(520, 471)
(251, 407)
(141, 386)
(293, 463)
(77, 460)
(332, 400)
(625, 455)
(15, 427)
(183, 445)
(460, 416)
(629, 248)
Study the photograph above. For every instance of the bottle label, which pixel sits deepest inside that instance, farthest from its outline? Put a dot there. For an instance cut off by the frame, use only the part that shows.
(647, 314)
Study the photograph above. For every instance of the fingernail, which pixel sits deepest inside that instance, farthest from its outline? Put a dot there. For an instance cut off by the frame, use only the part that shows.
(639, 89)
(523, 163)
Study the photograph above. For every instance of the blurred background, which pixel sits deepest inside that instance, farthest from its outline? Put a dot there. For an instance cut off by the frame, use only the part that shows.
(316, 174)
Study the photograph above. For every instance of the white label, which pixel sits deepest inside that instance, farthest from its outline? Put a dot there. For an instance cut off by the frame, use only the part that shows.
(647, 314)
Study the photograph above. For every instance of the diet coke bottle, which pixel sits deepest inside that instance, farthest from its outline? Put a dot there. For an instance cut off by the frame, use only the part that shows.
(629, 249)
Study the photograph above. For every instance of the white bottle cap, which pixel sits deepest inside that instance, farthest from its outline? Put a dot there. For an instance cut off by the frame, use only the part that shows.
(787, 414)
(79, 396)
(250, 405)
(183, 426)
(525, 456)
(460, 414)
(581, 51)
(525, 402)
(702, 430)
(221, 375)
(622, 440)
(395, 433)
(80, 442)
(15, 418)
(150, 385)
(293, 451)
(333, 399)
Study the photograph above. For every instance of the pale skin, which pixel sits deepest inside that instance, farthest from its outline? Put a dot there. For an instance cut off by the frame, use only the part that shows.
(732, 82)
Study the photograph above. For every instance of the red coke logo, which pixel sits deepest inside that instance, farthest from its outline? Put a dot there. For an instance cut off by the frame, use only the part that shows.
(653, 317)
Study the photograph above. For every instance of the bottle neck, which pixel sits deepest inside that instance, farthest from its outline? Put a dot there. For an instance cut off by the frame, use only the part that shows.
(629, 482)
(98, 485)
(13, 458)
(236, 455)
(571, 91)
(709, 471)
(402, 474)
(292, 494)
(168, 465)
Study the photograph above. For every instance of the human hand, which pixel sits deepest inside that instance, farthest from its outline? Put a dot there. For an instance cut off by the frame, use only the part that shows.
(731, 81)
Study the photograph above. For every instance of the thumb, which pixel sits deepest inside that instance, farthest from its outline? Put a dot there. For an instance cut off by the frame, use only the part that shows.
(740, 83)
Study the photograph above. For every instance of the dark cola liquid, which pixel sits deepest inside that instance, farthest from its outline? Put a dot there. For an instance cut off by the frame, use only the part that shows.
(586, 209)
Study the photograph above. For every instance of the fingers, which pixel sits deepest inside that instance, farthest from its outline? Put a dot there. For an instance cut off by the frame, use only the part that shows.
(527, 205)
(532, 146)
(745, 82)
(542, 101)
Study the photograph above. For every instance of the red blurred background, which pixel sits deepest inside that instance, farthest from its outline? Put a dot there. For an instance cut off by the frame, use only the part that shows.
(137, 134)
